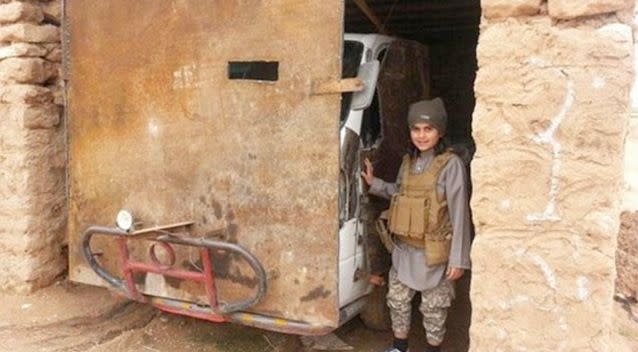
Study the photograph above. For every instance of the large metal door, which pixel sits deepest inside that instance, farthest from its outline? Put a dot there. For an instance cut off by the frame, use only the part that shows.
(201, 110)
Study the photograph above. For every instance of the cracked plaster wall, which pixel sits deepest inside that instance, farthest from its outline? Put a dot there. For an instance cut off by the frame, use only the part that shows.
(552, 107)
(32, 161)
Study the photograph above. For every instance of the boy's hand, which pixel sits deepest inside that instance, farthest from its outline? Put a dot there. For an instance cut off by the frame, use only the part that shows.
(454, 273)
(367, 173)
(376, 280)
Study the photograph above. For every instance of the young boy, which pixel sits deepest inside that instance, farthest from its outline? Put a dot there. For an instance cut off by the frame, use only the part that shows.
(429, 216)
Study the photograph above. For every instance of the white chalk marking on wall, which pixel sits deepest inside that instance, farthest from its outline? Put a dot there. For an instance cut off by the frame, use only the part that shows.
(562, 323)
(607, 223)
(550, 279)
(516, 300)
(547, 271)
(598, 82)
(547, 137)
(583, 291)
(537, 61)
(562, 346)
(507, 129)
(501, 334)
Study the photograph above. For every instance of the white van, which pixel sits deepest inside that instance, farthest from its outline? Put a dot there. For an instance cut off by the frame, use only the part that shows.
(362, 56)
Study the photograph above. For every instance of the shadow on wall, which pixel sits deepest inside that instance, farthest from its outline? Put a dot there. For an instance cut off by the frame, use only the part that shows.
(627, 252)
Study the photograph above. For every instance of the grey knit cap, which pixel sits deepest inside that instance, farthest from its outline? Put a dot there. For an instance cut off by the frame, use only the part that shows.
(429, 111)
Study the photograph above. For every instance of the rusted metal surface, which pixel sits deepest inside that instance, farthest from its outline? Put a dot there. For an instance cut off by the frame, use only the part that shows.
(156, 127)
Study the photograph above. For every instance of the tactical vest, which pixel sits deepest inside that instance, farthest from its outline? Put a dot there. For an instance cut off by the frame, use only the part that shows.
(419, 215)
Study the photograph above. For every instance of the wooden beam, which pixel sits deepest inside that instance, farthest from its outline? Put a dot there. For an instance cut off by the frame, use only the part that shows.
(162, 228)
(363, 6)
(337, 87)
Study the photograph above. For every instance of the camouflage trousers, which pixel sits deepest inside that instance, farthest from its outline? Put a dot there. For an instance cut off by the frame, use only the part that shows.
(434, 306)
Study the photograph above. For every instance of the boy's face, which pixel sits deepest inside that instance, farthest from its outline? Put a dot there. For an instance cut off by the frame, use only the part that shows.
(423, 136)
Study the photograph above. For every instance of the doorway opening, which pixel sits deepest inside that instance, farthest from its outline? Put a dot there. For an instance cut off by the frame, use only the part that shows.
(437, 51)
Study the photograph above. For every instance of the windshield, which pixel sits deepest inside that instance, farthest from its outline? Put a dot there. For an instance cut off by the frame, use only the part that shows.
(352, 53)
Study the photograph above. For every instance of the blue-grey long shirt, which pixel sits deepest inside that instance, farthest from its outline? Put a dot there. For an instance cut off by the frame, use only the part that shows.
(409, 261)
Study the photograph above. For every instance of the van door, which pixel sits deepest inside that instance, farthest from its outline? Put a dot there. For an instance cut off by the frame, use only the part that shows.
(203, 112)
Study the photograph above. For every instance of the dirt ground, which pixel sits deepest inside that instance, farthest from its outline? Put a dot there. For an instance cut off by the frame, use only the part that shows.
(69, 317)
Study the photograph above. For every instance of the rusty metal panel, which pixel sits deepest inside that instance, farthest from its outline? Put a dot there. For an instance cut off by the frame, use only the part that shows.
(156, 127)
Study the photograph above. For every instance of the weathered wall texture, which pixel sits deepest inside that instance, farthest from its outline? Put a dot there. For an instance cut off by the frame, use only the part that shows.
(31, 145)
(550, 121)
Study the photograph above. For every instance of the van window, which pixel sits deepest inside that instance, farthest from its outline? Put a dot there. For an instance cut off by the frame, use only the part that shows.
(352, 54)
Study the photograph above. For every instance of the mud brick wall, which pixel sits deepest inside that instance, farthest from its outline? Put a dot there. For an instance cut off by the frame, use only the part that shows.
(32, 157)
(552, 107)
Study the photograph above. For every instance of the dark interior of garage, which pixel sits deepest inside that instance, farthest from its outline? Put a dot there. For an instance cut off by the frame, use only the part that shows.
(450, 29)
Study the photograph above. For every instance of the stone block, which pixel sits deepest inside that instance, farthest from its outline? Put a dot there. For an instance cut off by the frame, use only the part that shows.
(26, 70)
(510, 8)
(20, 12)
(33, 272)
(32, 198)
(549, 282)
(55, 55)
(53, 10)
(22, 50)
(568, 9)
(541, 111)
(25, 94)
(538, 43)
(29, 33)
(557, 114)
(550, 119)
(38, 116)
(58, 94)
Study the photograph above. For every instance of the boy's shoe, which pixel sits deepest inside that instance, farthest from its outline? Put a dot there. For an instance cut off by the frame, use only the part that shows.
(393, 349)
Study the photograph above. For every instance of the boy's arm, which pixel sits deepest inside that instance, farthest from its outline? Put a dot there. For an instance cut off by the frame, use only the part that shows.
(385, 189)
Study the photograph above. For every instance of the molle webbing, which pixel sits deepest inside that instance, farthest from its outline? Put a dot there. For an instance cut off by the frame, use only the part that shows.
(418, 213)
(410, 208)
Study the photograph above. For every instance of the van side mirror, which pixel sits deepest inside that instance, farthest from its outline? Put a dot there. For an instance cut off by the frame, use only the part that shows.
(368, 74)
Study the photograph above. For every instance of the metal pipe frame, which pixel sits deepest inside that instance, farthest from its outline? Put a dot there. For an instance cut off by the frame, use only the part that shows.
(127, 285)
(232, 312)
